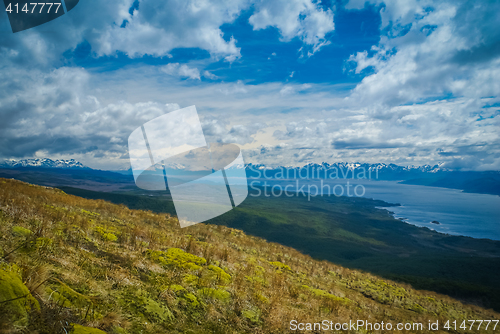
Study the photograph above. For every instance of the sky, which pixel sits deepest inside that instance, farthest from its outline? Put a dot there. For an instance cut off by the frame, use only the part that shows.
(290, 81)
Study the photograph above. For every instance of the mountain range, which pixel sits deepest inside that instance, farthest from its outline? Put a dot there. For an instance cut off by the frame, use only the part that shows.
(42, 163)
(380, 167)
(486, 182)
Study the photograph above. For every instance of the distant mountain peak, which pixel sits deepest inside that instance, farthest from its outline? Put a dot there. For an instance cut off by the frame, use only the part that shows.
(42, 163)
(357, 165)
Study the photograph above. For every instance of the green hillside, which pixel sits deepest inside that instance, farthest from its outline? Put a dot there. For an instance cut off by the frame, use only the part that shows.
(88, 266)
(358, 234)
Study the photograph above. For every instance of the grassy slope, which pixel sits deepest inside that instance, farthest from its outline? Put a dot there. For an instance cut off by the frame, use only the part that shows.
(353, 233)
(102, 265)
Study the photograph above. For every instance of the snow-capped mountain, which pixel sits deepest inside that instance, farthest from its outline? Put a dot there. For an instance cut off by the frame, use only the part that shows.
(345, 166)
(42, 163)
(356, 165)
(380, 171)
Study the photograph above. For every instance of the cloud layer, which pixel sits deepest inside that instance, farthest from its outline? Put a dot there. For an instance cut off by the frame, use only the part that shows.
(428, 90)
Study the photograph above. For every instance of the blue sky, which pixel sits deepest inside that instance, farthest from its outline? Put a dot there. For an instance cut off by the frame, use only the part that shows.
(264, 57)
(290, 81)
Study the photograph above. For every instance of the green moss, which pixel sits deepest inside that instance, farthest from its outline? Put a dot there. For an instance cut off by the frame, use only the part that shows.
(280, 266)
(184, 296)
(109, 237)
(323, 294)
(157, 256)
(191, 300)
(58, 298)
(256, 280)
(417, 308)
(182, 259)
(43, 243)
(252, 314)
(215, 294)
(106, 234)
(177, 257)
(19, 298)
(260, 270)
(176, 288)
(222, 276)
(118, 330)
(90, 213)
(140, 303)
(381, 291)
(190, 279)
(67, 297)
(334, 274)
(261, 298)
(79, 329)
(19, 231)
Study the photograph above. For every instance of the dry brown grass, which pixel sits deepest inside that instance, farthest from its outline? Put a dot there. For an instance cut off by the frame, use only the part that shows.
(105, 273)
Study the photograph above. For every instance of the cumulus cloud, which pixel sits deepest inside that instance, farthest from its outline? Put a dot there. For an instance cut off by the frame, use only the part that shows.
(154, 28)
(445, 48)
(55, 113)
(63, 112)
(218, 130)
(429, 93)
(437, 131)
(160, 26)
(110, 27)
(48, 106)
(304, 19)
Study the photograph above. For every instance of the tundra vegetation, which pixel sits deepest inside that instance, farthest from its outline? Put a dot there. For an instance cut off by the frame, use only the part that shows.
(73, 265)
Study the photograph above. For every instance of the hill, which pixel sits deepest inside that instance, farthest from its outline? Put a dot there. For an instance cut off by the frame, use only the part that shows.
(87, 266)
(355, 233)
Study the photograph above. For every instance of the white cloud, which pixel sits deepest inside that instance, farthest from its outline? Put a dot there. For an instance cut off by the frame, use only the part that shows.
(155, 29)
(292, 89)
(430, 97)
(182, 71)
(231, 89)
(287, 90)
(72, 112)
(158, 27)
(209, 75)
(295, 18)
(217, 129)
(434, 57)
(57, 113)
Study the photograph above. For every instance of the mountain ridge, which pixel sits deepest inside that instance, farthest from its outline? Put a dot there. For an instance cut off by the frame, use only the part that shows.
(380, 166)
(42, 163)
(485, 182)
